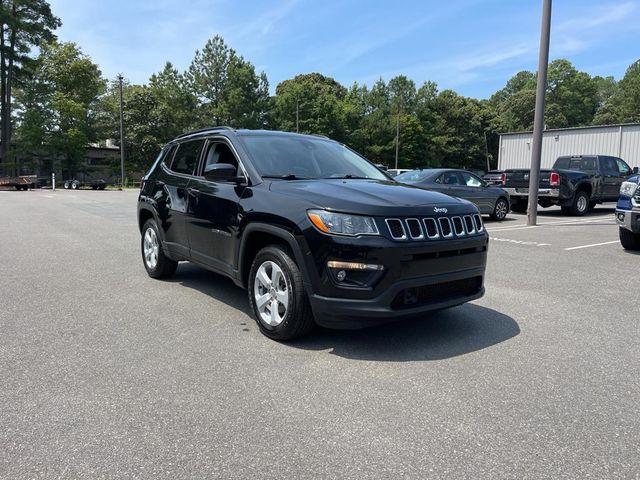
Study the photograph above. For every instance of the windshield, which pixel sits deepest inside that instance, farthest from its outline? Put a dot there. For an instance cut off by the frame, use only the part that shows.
(293, 157)
(413, 176)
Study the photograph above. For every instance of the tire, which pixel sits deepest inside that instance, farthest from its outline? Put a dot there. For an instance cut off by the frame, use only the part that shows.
(67, 185)
(500, 210)
(580, 204)
(102, 187)
(629, 240)
(155, 262)
(75, 185)
(519, 206)
(275, 276)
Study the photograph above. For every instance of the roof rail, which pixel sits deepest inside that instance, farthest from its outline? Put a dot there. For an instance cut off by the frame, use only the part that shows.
(206, 129)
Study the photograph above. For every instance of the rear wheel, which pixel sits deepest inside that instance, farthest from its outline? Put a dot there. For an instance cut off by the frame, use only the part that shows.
(157, 264)
(67, 184)
(519, 206)
(75, 185)
(629, 240)
(500, 210)
(580, 204)
(277, 295)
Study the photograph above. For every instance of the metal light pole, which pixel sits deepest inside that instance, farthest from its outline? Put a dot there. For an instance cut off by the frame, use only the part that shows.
(538, 122)
(121, 136)
(397, 139)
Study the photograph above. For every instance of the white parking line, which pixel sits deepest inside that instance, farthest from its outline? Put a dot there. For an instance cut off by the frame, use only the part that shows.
(520, 242)
(556, 223)
(592, 245)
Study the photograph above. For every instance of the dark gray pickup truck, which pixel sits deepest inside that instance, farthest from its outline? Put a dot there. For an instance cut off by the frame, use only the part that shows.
(576, 183)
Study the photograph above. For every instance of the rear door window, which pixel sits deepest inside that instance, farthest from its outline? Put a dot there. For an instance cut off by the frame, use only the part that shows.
(471, 180)
(186, 158)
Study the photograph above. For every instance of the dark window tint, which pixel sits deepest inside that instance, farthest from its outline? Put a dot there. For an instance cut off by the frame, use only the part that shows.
(609, 166)
(186, 158)
(220, 153)
(576, 163)
(451, 178)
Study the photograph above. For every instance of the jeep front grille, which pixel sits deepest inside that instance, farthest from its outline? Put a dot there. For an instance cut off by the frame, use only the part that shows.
(433, 228)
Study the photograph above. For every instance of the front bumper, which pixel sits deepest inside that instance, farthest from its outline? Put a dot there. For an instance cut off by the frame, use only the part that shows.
(628, 219)
(347, 313)
(418, 277)
(542, 192)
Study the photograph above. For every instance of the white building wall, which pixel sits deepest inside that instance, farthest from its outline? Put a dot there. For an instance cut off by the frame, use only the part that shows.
(617, 140)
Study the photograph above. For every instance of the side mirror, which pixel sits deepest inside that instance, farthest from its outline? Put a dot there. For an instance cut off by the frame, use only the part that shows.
(221, 171)
(636, 170)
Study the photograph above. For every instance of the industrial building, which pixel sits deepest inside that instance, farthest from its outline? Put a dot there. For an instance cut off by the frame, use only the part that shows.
(621, 140)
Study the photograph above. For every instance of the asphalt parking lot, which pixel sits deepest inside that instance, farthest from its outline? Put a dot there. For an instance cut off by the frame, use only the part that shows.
(107, 373)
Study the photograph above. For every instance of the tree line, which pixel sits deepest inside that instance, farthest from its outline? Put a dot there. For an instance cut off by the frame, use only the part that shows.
(57, 102)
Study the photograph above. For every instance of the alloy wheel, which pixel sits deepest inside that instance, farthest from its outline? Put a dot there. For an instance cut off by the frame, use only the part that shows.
(151, 248)
(271, 293)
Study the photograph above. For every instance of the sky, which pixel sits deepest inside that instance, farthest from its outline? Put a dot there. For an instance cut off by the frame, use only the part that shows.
(471, 46)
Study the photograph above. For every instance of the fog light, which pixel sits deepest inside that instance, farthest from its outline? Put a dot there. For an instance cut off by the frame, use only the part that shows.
(621, 216)
(354, 265)
(341, 275)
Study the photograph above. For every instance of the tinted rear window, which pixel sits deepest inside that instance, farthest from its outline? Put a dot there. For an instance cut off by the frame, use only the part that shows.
(576, 163)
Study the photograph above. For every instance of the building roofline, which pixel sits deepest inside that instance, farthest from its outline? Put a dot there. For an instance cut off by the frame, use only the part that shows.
(586, 127)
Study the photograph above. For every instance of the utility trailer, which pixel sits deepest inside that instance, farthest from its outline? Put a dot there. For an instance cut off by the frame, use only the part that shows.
(23, 182)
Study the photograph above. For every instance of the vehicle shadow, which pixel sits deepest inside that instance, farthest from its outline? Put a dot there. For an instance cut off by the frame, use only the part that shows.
(216, 286)
(437, 336)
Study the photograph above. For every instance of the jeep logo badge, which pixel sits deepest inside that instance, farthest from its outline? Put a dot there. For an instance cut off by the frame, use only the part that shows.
(440, 210)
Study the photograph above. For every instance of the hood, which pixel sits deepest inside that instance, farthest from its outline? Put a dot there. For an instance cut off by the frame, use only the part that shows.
(370, 197)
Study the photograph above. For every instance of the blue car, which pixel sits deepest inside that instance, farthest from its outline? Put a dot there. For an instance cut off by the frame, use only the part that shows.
(628, 213)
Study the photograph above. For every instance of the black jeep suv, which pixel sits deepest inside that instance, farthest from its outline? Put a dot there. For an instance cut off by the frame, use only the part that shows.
(313, 231)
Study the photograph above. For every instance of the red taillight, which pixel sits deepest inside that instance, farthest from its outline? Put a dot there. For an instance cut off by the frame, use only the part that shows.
(554, 179)
(503, 179)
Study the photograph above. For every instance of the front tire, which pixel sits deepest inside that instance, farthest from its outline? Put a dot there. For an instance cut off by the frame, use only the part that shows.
(629, 240)
(500, 210)
(67, 185)
(156, 263)
(277, 295)
(75, 185)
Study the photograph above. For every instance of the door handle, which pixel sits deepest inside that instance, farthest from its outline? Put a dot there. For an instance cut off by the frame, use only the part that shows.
(194, 192)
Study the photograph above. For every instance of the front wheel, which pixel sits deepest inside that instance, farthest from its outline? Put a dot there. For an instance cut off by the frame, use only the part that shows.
(629, 240)
(75, 185)
(157, 264)
(67, 184)
(277, 295)
(500, 210)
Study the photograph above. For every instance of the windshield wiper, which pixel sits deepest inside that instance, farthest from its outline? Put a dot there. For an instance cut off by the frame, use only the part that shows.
(288, 176)
(352, 177)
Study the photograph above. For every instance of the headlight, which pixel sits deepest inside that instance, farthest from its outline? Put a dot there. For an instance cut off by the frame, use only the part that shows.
(342, 223)
(628, 189)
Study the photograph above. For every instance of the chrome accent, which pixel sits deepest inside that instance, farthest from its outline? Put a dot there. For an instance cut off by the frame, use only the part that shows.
(446, 219)
(419, 237)
(404, 232)
(455, 230)
(435, 227)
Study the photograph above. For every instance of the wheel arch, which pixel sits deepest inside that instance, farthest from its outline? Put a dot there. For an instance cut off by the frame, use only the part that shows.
(256, 236)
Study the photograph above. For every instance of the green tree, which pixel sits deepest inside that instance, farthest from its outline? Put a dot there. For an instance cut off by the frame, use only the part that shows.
(59, 113)
(318, 101)
(624, 103)
(226, 87)
(24, 24)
